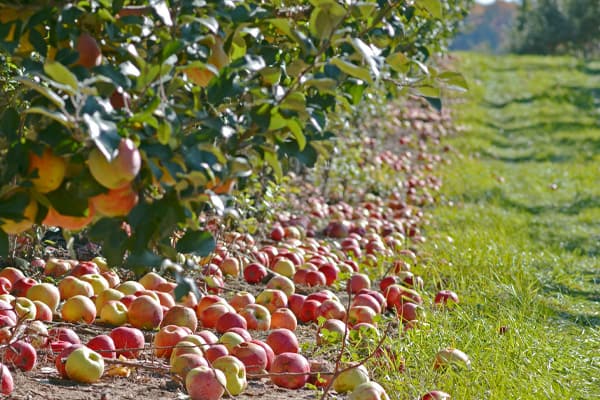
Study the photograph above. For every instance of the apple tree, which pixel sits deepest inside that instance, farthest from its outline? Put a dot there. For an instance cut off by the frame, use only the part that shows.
(134, 119)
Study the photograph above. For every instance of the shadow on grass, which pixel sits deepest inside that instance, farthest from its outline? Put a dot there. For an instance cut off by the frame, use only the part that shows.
(497, 195)
(584, 98)
(531, 157)
(582, 319)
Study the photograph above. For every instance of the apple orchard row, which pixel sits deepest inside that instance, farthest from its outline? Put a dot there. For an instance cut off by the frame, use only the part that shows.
(208, 341)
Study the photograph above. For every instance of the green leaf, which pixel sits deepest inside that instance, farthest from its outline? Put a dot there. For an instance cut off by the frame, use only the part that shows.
(3, 244)
(398, 61)
(270, 75)
(200, 243)
(434, 7)
(54, 115)
(171, 48)
(322, 84)
(428, 91)
(296, 130)
(454, 81)
(271, 159)
(352, 69)
(435, 102)
(325, 18)
(294, 101)
(164, 132)
(185, 284)
(43, 90)
(61, 74)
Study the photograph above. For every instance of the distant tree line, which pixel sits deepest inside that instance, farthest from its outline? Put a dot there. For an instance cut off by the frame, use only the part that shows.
(558, 26)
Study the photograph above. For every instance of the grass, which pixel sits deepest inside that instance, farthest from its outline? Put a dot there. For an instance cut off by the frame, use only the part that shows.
(517, 236)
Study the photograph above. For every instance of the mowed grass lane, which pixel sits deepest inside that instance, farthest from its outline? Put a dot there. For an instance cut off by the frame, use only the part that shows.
(517, 236)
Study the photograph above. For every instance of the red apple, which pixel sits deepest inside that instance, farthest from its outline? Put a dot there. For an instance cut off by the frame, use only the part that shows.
(332, 309)
(444, 297)
(145, 313)
(84, 268)
(5, 286)
(186, 362)
(20, 354)
(64, 335)
(204, 383)
(42, 311)
(309, 311)
(103, 345)
(436, 395)
(20, 287)
(357, 282)
(129, 342)
(229, 320)
(255, 273)
(292, 364)
(358, 314)
(215, 351)
(331, 273)
(252, 355)
(283, 318)
(12, 274)
(167, 337)
(257, 317)
(277, 233)
(208, 336)
(331, 331)
(367, 300)
(241, 299)
(207, 301)
(6, 381)
(295, 303)
(212, 313)
(282, 340)
(181, 316)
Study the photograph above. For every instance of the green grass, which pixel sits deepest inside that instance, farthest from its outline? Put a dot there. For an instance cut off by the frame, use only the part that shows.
(520, 252)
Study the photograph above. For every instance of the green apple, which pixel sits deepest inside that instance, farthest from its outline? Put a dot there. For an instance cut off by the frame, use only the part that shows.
(79, 308)
(98, 282)
(114, 313)
(235, 373)
(24, 308)
(350, 379)
(84, 365)
(369, 391)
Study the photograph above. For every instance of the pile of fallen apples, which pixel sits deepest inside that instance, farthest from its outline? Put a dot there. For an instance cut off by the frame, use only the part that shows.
(208, 342)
